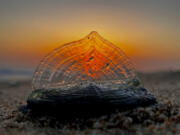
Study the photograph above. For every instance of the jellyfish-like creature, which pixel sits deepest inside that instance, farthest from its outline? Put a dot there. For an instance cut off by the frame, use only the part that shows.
(88, 71)
(89, 60)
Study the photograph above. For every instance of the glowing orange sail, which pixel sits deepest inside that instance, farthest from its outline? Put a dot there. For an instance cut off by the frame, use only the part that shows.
(91, 59)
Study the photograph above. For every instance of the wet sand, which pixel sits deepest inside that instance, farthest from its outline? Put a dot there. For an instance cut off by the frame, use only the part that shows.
(158, 120)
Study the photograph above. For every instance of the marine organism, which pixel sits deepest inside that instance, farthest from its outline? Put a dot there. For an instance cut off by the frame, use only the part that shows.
(87, 74)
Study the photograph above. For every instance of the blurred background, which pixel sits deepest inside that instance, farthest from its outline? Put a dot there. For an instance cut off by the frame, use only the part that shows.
(148, 31)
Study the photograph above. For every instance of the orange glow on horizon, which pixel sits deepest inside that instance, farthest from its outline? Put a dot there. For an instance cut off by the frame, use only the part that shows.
(30, 52)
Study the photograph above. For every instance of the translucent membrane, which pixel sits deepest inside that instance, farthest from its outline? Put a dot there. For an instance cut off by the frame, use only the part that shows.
(89, 60)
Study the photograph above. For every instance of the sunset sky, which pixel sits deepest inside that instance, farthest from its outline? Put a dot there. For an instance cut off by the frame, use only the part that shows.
(148, 31)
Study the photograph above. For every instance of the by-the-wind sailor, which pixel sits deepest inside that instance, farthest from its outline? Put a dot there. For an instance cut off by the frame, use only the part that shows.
(89, 72)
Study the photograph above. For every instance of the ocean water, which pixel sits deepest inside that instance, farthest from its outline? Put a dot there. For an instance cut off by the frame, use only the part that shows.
(14, 74)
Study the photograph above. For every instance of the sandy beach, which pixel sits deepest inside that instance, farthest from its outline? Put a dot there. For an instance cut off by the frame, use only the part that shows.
(163, 119)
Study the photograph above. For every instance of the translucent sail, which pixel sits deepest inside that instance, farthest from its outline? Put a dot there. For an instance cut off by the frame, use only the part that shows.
(89, 60)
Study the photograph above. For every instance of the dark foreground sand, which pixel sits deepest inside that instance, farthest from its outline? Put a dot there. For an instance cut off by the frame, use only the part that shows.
(158, 120)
